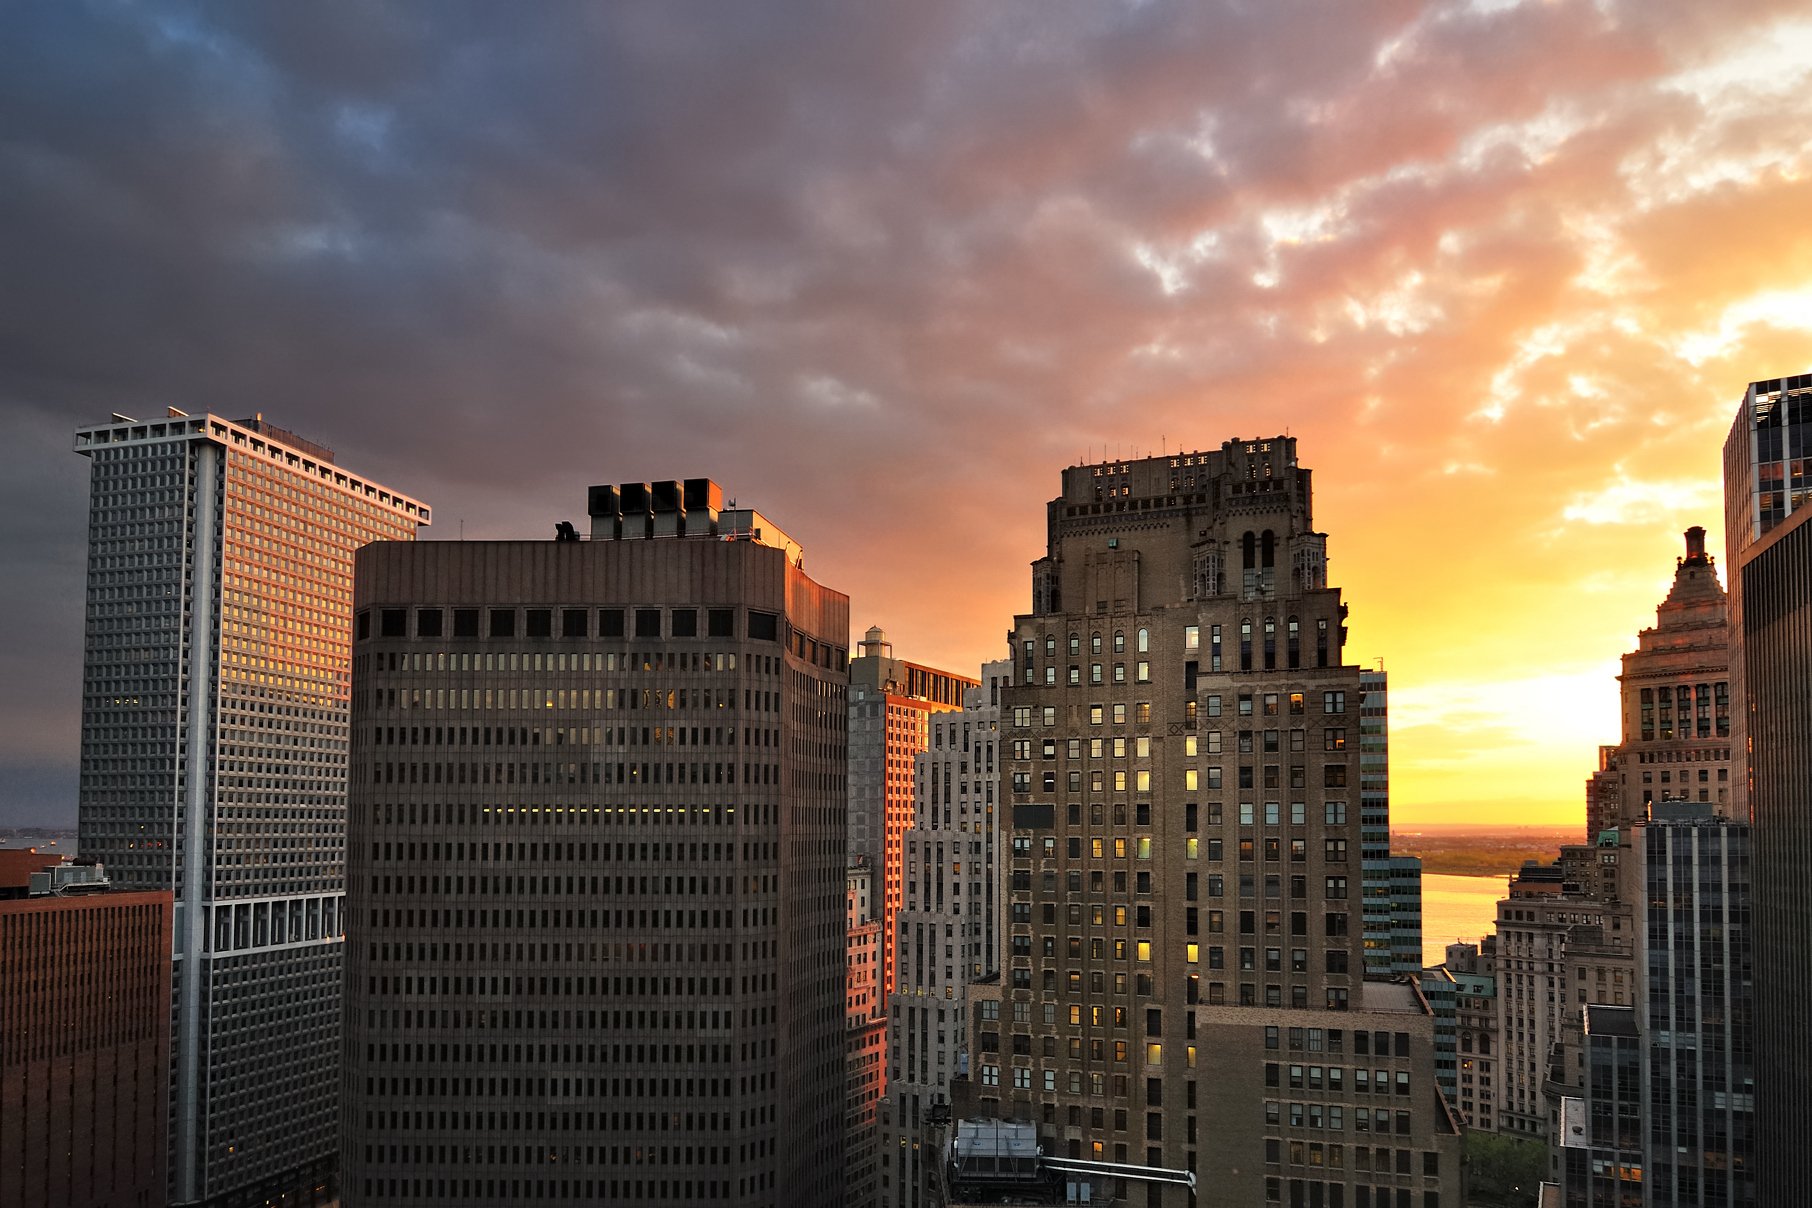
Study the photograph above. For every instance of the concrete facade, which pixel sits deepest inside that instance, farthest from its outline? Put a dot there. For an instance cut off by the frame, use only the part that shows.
(948, 932)
(598, 874)
(1183, 825)
(214, 748)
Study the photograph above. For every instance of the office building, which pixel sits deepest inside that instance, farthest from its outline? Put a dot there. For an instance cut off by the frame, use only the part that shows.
(1698, 965)
(891, 705)
(214, 735)
(1183, 844)
(1539, 992)
(1472, 970)
(1600, 1147)
(948, 930)
(84, 1038)
(1675, 689)
(865, 1035)
(1768, 526)
(597, 866)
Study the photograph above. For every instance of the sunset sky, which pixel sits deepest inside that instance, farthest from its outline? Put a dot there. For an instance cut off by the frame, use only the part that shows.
(884, 269)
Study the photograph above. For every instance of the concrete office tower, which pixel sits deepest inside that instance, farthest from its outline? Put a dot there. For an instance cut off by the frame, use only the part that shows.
(1768, 526)
(84, 1038)
(865, 1036)
(948, 928)
(891, 704)
(597, 866)
(1184, 908)
(214, 733)
(1698, 965)
(1676, 704)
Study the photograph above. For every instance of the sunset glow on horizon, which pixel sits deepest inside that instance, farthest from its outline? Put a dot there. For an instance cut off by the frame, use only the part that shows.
(1502, 267)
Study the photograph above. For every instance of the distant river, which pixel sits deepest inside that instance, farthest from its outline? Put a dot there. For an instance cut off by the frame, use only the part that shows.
(1456, 908)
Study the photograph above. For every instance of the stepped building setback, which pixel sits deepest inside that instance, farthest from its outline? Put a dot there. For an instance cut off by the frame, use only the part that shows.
(1182, 829)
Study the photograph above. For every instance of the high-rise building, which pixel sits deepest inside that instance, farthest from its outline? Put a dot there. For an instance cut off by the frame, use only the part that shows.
(1698, 1022)
(1600, 1129)
(948, 929)
(84, 1038)
(214, 736)
(597, 866)
(1768, 529)
(1472, 970)
(1558, 948)
(865, 1035)
(1676, 704)
(1184, 898)
(891, 704)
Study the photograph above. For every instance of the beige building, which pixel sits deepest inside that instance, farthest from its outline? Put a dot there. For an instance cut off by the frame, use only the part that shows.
(597, 878)
(947, 933)
(891, 704)
(1676, 705)
(865, 1035)
(1182, 835)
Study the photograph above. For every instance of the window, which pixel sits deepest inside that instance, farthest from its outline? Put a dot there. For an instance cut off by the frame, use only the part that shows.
(1333, 702)
(540, 623)
(503, 622)
(685, 622)
(465, 622)
(393, 623)
(610, 622)
(428, 622)
(573, 622)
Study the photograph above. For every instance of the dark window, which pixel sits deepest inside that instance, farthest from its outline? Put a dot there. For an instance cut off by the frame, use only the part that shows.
(610, 622)
(428, 622)
(720, 623)
(647, 622)
(540, 623)
(364, 625)
(572, 622)
(393, 623)
(465, 622)
(764, 626)
(503, 622)
(685, 622)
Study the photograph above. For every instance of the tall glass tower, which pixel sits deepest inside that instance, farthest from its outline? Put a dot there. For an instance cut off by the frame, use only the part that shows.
(214, 745)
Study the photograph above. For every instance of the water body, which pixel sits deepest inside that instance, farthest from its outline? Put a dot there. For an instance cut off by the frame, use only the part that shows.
(1457, 908)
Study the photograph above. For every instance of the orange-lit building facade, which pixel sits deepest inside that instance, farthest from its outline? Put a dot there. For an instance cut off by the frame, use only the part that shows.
(214, 744)
(891, 703)
(84, 1049)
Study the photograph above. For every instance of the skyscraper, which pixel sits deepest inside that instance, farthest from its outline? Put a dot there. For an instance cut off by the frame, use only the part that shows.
(1698, 1018)
(948, 928)
(214, 735)
(891, 704)
(1676, 704)
(1184, 911)
(1768, 528)
(597, 866)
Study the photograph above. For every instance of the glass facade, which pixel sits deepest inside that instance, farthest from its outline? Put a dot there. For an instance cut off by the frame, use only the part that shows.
(214, 749)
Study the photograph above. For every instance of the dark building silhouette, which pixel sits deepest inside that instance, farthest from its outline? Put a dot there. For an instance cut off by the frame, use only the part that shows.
(84, 1039)
(1768, 525)
(597, 866)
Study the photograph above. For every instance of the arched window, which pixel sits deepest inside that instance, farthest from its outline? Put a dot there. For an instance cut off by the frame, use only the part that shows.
(1269, 556)
(1248, 546)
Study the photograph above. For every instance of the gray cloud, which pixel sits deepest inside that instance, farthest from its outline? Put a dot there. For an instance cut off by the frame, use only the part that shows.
(875, 267)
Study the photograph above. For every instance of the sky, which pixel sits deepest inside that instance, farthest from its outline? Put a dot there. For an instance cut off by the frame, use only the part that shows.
(1504, 270)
